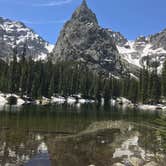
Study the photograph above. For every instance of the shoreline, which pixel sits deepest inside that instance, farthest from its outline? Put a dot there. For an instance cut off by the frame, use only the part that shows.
(77, 99)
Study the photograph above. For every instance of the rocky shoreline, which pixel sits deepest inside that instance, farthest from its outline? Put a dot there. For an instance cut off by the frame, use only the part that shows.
(13, 99)
(127, 103)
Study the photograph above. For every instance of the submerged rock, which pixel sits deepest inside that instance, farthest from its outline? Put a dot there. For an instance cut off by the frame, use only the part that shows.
(3, 101)
(151, 164)
(12, 100)
(136, 161)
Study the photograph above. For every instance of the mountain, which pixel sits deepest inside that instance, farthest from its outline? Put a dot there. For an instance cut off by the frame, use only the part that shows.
(117, 37)
(83, 40)
(150, 50)
(17, 34)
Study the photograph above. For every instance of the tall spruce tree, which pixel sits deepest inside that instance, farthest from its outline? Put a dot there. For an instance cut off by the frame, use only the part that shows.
(164, 80)
(13, 73)
(144, 81)
(155, 88)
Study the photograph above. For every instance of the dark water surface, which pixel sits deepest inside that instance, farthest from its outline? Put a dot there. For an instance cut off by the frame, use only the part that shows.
(62, 135)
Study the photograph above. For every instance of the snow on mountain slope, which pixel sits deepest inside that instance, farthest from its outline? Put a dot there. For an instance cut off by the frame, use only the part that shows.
(14, 34)
(149, 50)
(50, 47)
(129, 53)
(43, 56)
(144, 51)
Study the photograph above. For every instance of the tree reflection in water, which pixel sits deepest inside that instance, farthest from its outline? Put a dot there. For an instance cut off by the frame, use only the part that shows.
(65, 135)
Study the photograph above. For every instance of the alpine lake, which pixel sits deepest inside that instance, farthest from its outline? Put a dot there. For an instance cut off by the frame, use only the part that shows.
(81, 135)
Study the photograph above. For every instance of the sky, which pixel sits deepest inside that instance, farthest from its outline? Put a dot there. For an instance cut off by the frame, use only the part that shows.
(130, 17)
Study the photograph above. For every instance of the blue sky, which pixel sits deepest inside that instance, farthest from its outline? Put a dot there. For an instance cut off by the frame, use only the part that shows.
(130, 17)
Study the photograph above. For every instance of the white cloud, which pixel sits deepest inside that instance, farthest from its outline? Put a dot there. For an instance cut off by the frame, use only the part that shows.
(53, 3)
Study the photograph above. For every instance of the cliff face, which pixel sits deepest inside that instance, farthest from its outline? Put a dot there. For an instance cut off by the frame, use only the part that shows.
(14, 34)
(149, 50)
(83, 40)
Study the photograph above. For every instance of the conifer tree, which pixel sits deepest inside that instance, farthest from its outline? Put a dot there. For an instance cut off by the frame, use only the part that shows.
(23, 72)
(164, 79)
(144, 85)
(13, 75)
(156, 87)
(107, 90)
(133, 91)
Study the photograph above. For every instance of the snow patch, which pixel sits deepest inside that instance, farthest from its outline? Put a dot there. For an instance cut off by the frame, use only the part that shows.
(150, 107)
(71, 100)
(134, 52)
(59, 100)
(20, 101)
(3, 100)
(83, 101)
(124, 101)
(42, 148)
(49, 47)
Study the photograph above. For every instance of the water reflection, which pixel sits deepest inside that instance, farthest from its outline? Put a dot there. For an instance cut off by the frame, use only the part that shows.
(107, 143)
(65, 135)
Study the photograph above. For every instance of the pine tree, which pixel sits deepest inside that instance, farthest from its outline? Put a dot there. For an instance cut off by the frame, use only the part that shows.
(144, 78)
(30, 76)
(98, 88)
(133, 90)
(23, 72)
(156, 87)
(116, 87)
(164, 79)
(13, 75)
(107, 90)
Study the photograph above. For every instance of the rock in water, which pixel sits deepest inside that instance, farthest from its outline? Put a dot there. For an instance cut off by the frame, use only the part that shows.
(83, 40)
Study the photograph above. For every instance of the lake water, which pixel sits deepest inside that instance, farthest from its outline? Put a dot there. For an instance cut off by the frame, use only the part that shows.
(86, 135)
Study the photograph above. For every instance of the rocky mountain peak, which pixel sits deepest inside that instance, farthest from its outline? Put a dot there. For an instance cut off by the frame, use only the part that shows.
(158, 40)
(141, 39)
(83, 40)
(84, 14)
(15, 34)
(118, 38)
(84, 3)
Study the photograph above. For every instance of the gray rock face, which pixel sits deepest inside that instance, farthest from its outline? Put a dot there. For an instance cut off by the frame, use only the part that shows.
(158, 40)
(83, 40)
(150, 50)
(16, 34)
(117, 37)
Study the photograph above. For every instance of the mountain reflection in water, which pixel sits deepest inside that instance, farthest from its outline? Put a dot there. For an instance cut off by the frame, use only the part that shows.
(66, 136)
(40, 160)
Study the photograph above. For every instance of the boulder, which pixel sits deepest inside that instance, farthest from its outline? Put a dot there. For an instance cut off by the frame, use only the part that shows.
(136, 161)
(152, 163)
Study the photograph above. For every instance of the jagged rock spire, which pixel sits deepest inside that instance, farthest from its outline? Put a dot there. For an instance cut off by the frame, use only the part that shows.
(84, 14)
(84, 3)
(83, 40)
